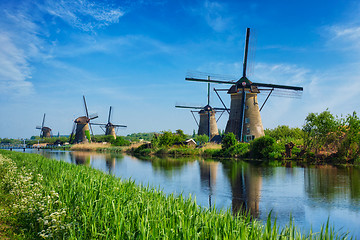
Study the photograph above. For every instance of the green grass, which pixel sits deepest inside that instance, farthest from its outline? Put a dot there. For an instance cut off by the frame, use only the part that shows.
(89, 204)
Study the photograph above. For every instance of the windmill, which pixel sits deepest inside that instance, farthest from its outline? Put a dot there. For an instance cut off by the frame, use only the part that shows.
(109, 127)
(207, 124)
(80, 132)
(244, 118)
(44, 131)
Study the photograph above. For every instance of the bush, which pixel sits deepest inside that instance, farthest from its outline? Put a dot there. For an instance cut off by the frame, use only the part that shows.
(229, 140)
(201, 139)
(239, 150)
(120, 141)
(167, 138)
(263, 148)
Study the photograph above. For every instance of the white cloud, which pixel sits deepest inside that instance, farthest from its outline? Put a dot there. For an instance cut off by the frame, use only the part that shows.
(23, 31)
(83, 14)
(344, 37)
(214, 14)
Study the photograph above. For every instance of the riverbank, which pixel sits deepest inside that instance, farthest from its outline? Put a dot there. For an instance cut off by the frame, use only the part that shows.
(60, 199)
(215, 151)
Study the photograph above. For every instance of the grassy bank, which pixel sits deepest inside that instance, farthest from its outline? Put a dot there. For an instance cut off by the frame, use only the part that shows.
(53, 199)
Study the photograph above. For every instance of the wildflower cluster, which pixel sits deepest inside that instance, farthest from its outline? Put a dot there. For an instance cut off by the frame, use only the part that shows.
(32, 207)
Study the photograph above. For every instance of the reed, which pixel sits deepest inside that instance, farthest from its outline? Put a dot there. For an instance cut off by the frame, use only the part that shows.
(89, 204)
(88, 146)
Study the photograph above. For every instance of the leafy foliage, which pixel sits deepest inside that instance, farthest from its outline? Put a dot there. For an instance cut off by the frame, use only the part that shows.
(135, 137)
(167, 138)
(228, 141)
(201, 139)
(263, 148)
(284, 134)
(320, 129)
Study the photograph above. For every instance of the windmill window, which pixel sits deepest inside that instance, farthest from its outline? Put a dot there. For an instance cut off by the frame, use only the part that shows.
(247, 107)
(249, 138)
(247, 120)
(248, 130)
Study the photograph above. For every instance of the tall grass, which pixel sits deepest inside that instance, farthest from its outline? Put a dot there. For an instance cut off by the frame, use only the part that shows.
(89, 204)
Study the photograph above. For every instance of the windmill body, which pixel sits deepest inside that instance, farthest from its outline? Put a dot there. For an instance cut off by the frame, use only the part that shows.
(110, 130)
(252, 126)
(82, 127)
(82, 131)
(205, 114)
(44, 131)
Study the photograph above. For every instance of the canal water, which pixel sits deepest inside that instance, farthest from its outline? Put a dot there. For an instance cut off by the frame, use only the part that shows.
(310, 195)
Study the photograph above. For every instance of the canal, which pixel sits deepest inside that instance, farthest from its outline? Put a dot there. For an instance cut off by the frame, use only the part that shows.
(311, 195)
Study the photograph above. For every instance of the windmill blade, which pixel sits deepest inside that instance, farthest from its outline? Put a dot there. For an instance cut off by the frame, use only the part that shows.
(188, 107)
(220, 109)
(288, 93)
(109, 114)
(72, 132)
(38, 127)
(43, 122)
(117, 125)
(209, 81)
(99, 124)
(92, 133)
(246, 51)
(93, 116)
(208, 96)
(277, 86)
(86, 110)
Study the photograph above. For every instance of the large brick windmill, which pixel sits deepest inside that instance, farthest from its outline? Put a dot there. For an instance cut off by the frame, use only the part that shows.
(44, 131)
(244, 119)
(207, 124)
(80, 132)
(109, 126)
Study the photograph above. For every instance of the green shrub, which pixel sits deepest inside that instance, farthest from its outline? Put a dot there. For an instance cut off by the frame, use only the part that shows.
(120, 141)
(201, 139)
(263, 148)
(229, 140)
(239, 150)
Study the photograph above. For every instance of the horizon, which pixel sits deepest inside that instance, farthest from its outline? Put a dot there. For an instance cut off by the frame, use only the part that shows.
(134, 56)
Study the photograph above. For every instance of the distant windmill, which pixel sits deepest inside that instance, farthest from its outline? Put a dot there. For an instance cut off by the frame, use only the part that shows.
(109, 127)
(44, 131)
(80, 132)
(244, 119)
(208, 123)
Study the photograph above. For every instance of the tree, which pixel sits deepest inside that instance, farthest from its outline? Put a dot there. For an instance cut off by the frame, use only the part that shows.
(320, 129)
(350, 145)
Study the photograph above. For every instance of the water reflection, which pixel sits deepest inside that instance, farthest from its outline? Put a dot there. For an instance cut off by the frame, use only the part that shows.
(80, 158)
(328, 183)
(208, 171)
(168, 166)
(246, 181)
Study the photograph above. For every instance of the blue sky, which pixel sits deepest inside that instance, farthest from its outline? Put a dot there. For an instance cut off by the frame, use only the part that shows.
(134, 56)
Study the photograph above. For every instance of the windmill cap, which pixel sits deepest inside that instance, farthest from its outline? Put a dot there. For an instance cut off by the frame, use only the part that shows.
(242, 82)
(207, 108)
(82, 120)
